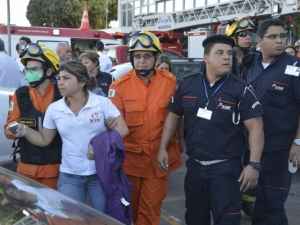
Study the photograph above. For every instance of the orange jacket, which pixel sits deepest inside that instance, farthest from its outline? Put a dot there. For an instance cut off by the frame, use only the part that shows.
(46, 174)
(144, 108)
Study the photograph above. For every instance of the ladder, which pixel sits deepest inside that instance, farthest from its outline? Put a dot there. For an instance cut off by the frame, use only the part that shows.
(215, 13)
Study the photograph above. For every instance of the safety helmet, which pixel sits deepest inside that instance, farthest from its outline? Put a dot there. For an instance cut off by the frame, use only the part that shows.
(144, 41)
(42, 54)
(239, 26)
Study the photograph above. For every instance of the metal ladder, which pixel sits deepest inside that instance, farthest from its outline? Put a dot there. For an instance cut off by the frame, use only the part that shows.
(215, 13)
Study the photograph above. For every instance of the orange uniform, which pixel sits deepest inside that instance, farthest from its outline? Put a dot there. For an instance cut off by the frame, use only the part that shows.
(46, 174)
(144, 107)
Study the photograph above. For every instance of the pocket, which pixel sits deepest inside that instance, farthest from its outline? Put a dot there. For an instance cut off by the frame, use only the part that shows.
(134, 112)
(277, 95)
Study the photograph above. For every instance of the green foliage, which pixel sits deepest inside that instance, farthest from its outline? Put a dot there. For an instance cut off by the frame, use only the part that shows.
(68, 13)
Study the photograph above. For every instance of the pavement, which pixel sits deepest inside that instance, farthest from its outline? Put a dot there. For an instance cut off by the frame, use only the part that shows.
(173, 208)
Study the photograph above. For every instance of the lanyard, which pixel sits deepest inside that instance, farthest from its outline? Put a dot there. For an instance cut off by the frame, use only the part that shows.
(214, 92)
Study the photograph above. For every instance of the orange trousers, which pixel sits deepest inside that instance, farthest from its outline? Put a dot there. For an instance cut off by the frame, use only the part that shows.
(45, 174)
(146, 197)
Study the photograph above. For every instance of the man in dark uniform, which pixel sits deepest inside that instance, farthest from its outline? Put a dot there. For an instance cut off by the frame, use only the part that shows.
(215, 105)
(275, 77)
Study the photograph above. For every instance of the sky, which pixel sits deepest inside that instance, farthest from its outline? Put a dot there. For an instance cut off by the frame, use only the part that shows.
(18, 10)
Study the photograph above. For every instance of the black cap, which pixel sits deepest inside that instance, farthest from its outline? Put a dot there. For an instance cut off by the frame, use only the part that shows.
(99, 45)
(218, 39)
(2, 49)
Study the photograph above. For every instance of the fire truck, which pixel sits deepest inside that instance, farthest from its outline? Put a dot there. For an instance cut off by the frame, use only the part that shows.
(78, 39)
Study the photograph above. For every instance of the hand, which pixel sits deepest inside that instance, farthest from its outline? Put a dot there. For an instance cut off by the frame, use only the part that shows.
(163, 159)
(111, 123)
(21, 130)
(294, 154)
(248, 178)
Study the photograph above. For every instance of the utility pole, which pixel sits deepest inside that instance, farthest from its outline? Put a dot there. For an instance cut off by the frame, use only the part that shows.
(106, 13)
(8, 28)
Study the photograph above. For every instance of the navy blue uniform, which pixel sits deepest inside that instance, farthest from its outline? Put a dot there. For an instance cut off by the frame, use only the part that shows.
(279, 93)
(101, 84)
(214, 187)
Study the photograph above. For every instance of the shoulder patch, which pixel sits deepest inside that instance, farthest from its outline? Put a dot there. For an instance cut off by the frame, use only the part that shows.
(111, 93)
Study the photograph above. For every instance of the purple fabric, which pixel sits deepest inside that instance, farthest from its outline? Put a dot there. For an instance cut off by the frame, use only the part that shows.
(109, 155)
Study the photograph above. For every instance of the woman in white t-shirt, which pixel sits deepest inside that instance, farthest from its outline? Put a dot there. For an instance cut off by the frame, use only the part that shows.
(77, 117)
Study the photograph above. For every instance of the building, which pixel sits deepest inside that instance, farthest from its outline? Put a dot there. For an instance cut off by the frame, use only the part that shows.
(186, 14)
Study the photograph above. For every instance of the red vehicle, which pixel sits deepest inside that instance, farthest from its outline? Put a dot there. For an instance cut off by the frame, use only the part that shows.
(78, 39)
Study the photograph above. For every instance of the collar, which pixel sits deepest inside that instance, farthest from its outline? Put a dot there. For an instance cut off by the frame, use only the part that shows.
(92, 101)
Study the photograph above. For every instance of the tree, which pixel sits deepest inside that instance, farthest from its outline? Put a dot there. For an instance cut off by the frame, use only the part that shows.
(67, 13)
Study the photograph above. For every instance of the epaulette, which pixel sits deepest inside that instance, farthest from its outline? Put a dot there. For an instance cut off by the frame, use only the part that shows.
(121, 80)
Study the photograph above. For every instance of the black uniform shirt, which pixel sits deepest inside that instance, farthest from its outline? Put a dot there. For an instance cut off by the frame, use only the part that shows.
(219, 137)
(278, 89)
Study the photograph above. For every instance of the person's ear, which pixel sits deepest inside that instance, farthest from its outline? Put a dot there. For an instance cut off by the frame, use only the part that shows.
(49, 72)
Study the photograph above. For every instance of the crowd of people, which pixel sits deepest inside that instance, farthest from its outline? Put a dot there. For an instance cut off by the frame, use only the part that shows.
(238, 121)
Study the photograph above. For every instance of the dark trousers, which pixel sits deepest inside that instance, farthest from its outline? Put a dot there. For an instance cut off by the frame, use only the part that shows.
(213, 190)
(273, 189)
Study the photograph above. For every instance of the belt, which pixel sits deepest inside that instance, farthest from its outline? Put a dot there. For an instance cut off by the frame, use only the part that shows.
(210, 162)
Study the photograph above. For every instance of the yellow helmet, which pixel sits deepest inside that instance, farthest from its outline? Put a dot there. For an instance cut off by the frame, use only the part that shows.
(42, 54)
(144, 41)
(239, 26)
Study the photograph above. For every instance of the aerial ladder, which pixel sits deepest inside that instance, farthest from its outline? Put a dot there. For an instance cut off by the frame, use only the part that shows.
(222, 11)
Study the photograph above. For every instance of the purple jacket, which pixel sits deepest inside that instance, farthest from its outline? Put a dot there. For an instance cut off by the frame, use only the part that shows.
(109, 155)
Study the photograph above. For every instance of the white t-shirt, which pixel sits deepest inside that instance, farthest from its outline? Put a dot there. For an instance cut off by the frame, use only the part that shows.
(76, 131)
(105, 62)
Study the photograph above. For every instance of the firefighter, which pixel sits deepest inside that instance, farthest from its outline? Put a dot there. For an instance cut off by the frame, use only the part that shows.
(243, 33)
(142, 96)
(275, 76)
(28, 106)
(215, 106)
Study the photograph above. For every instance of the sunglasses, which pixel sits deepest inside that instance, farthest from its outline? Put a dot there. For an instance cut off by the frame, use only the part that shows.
(244, 33)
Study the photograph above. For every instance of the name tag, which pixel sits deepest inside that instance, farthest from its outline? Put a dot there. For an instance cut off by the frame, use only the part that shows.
(292, 70)
(204, 113)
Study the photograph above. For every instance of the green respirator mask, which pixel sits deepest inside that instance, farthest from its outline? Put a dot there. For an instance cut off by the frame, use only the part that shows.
(34, 78)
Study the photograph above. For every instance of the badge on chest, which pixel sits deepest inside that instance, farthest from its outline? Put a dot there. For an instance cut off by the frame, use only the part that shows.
(292, 70)
(204, 113)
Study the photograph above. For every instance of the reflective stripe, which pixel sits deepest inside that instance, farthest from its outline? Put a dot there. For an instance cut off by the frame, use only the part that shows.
(211, 162)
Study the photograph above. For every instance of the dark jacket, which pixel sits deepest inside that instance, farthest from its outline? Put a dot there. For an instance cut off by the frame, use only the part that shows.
(109, 155)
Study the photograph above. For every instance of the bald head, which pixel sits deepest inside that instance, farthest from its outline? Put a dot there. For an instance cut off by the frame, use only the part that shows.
(64, 52)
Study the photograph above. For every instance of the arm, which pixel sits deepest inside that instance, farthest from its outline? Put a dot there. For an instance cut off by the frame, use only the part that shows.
(295, 149)
(169, 130)
(249, 175)
(119, 125)
(41, 138)
(12, 116)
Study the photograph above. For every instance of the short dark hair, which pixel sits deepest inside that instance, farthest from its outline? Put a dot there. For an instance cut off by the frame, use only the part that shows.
(266, 24)
(99, 45)
(26, 39)
(2, 47)
(210, 41)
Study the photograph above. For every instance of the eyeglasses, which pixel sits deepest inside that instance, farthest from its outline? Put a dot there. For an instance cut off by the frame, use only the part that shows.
(145, 56)
(281, 36)
(244, 33)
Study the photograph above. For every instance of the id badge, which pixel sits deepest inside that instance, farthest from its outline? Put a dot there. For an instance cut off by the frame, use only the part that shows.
(204, 113)
(292, 71)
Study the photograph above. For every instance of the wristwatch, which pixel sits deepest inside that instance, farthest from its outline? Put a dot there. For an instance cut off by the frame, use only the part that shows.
(255, 165)
(297, 141)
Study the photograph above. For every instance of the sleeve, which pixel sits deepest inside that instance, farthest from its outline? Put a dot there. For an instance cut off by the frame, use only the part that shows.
(296, 90)
(175, 105)
(115, 97)
(13, 115)
(249, 105)
(110, 110)
(49, 122)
